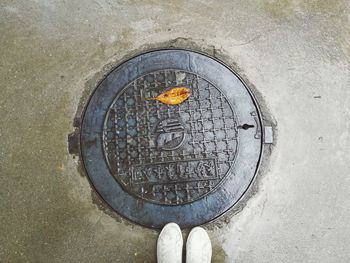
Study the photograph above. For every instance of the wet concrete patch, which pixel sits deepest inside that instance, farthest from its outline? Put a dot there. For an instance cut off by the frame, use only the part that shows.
(298, 213)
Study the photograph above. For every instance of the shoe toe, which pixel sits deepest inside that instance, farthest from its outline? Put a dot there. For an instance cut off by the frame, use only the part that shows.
(198, 247)
(169, 245)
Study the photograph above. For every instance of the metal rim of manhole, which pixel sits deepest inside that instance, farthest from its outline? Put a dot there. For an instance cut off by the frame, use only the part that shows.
(155, 163)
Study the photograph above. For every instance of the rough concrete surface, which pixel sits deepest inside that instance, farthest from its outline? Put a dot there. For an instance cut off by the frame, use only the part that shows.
(295, 53)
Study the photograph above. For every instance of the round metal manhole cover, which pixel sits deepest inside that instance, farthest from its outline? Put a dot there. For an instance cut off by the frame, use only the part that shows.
(156, 163)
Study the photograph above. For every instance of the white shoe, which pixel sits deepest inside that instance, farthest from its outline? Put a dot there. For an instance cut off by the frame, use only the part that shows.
(169, 245)
(198, 246)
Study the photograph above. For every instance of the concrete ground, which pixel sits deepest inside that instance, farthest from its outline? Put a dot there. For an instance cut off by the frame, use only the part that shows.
(295, 53)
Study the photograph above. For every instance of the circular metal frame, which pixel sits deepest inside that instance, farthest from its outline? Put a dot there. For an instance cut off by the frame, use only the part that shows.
(242, 172)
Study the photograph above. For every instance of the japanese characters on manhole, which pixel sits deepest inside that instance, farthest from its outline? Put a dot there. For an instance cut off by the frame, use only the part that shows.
(170, 154)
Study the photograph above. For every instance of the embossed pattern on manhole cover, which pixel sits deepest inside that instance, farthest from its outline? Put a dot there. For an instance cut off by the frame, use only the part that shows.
(170, 154)
(155, 163)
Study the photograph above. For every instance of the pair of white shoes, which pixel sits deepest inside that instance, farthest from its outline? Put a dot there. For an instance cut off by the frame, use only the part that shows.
(169, 245)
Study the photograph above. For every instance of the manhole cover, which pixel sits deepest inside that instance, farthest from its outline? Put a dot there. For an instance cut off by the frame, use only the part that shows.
(170, 154)
(156, 163)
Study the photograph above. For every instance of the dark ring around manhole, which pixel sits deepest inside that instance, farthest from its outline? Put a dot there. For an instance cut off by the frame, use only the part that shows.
(155, 163)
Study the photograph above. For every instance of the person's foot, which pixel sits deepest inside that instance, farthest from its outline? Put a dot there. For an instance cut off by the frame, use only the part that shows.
(169, 245)
(198, 246)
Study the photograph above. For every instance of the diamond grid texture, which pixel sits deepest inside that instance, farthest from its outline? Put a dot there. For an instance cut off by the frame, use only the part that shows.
(202, 132)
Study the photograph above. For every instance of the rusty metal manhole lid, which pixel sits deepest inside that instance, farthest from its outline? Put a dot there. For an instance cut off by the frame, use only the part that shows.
(156, 163)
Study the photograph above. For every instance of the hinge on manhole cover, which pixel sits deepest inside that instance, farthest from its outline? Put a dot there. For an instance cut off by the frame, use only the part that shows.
(73, 138)
(268, 135)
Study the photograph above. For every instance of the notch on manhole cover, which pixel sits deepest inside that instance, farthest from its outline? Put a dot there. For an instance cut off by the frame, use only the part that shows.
(156, 163)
